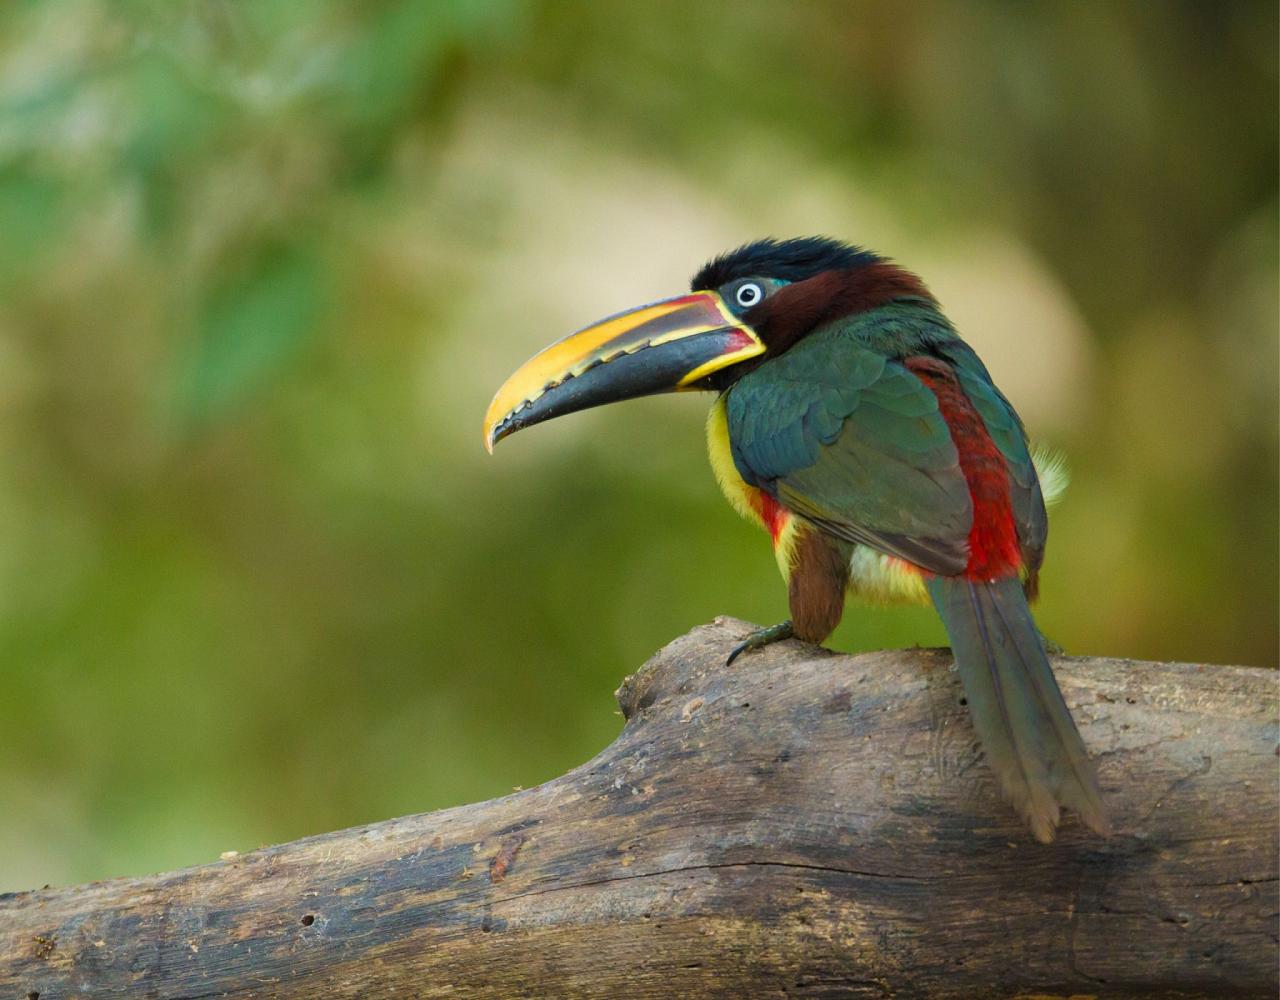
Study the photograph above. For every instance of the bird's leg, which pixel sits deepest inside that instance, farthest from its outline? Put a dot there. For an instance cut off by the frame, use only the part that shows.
(762, 637)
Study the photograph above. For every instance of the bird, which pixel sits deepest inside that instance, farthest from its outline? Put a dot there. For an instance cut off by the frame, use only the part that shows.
(855, 426)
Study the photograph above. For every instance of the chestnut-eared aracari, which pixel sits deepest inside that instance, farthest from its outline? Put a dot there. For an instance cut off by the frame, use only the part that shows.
(856, 427)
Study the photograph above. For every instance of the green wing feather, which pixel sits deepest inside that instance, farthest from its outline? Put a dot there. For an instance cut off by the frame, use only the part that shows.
(851, 440)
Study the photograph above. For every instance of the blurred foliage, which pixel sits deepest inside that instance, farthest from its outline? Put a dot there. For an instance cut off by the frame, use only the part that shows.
(262, 264)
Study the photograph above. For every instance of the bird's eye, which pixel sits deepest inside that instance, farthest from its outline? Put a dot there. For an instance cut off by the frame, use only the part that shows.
(748, 294)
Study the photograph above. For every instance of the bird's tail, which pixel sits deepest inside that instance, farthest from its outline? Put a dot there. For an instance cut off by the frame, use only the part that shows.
(1026, 730)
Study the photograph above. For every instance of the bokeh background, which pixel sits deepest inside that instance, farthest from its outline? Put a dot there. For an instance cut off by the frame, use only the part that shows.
(263, 264)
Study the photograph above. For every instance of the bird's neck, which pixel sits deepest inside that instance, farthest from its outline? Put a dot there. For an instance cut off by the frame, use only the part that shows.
(885, 307)
(900, 329)
(837, 297)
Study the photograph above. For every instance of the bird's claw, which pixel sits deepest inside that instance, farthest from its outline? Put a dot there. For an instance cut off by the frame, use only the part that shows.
(760, 638)
(1051, 648)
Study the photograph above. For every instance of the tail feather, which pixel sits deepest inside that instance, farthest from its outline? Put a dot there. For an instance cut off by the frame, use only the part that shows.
(1017, 707)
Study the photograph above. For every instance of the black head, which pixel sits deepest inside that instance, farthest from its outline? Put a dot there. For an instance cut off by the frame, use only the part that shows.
(782, 260)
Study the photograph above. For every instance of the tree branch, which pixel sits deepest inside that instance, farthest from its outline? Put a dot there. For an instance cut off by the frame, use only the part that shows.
(799, 824)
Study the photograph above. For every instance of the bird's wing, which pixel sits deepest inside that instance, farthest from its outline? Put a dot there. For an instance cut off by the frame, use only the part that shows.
(852, 441)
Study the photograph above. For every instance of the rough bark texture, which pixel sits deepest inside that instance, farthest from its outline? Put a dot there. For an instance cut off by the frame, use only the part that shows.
(800, 824)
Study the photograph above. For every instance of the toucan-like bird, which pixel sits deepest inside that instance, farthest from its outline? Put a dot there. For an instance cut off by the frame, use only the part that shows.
(857, 428)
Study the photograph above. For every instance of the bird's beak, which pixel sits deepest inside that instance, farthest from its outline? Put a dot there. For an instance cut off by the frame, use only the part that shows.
(662, 347)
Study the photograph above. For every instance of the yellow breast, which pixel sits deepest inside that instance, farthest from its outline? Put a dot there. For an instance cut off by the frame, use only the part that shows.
(753, 504)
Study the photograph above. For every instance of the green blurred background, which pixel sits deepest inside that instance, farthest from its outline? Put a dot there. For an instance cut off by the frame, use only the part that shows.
(262, 265)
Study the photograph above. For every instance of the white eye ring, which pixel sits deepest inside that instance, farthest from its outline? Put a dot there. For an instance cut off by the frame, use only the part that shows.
(749, 294)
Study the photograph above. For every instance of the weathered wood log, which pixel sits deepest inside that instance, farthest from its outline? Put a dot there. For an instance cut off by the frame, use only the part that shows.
(800, 824)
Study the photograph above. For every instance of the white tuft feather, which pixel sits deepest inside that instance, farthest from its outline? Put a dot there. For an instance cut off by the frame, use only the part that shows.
(1051, 467)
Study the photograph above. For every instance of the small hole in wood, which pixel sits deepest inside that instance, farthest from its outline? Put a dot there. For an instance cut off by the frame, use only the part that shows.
(964, 701)
(33, 995)
(308, 919)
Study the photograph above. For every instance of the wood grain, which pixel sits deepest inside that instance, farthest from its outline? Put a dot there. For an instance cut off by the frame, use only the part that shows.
(801, 824)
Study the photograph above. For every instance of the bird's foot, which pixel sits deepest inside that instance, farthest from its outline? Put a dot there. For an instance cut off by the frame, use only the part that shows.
(762, 637)
(1051, 648)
